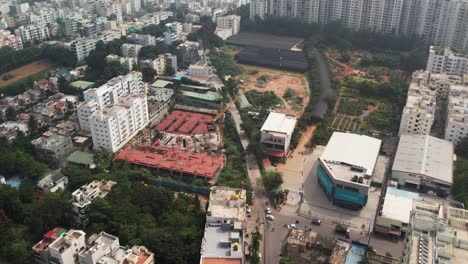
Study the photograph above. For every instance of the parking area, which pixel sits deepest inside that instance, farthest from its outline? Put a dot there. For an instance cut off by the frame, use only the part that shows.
(316, 203)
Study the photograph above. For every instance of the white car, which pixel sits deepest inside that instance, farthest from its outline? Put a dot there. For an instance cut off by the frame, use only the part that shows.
(249, 210)
(268, 210)
(292, 226)
(270, 217)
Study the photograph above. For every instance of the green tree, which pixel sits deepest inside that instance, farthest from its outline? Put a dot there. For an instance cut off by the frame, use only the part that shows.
(271, 179)
(169, 71)
(462, 148)
(286, 260)
(32, 124)
(148, 74)
(10, 114)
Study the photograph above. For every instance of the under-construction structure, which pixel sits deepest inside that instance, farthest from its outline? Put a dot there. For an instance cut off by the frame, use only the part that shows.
(308, 247)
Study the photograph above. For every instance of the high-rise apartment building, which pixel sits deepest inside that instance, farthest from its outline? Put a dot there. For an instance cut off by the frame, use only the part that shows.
(82, 47)
(231, 21)
(115, 112)
(444, 60)
(131, 50)
(441, 22)
(418, 114)
(33, 33)
(456, 127)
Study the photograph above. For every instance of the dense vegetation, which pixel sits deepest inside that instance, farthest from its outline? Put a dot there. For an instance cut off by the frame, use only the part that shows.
(12, 59)
(460, 184)
(224, 64)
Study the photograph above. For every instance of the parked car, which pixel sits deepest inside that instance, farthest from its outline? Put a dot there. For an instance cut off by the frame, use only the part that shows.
(292, 226)
(249, 210)
(342, 230)
(268, 210)
(270, 217)
(316, 221)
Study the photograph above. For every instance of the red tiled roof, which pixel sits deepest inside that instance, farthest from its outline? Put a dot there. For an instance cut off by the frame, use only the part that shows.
(173, 159)
(187, 123)
(276, 153)
(221, 261)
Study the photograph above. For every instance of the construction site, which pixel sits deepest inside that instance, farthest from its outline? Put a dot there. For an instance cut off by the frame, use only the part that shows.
(308, 247)
(183, 144)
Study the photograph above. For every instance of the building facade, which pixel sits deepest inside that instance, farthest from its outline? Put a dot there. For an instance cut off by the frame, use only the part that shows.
(456, 126)
(440, 22)
(9, 40)
(444, 60)
(276, 133)
(419, 112)
(115, 112)
(346, 167)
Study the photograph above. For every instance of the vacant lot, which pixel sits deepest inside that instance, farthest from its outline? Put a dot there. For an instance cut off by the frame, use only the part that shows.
(292, 89)
(263, 40)
(25, 71)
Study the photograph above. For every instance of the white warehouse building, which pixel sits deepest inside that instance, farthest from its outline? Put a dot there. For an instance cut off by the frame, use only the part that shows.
(276, 133)
(424, 162)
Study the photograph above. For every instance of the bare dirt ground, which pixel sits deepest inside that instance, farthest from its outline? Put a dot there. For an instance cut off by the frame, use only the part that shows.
(25, 71)
(279, 83)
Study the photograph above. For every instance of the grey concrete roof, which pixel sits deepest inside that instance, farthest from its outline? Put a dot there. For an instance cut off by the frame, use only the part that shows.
(425, 155)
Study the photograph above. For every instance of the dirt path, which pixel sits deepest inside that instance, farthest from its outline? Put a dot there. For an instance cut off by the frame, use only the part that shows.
(25, 71)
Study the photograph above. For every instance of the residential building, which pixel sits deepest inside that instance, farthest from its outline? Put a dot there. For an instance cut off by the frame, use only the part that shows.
(52, 182)
(83, 197)
(441, 238)
(223, 33)
(60, 246)
(418, 114)
(144, 40)
(276, 133)
(126, 62)
(395, 211)
(9, 40)
(444, 60)
(64, 249)
(115, 125)
(115, 112)
(79, 159)
(200, 69)
(424, 162)
(52, 149)
(32, 33)
(224, 230)
(108, 94)
(440, 22)
(82, 47)
(189, 51)
(41, 253)
(171, 59)
(131, 50)
(159, 64)
(456, 126)
(232, 22)
(346, 168)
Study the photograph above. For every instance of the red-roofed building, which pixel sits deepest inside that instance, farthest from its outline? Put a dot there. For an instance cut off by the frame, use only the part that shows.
(187, 123)
(174, 160)
(40, 250)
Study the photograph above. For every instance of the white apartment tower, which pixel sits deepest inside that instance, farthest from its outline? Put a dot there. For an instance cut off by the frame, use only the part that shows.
(231, 22)
(444, 60)
(115, 125)
(418, 114)
(131, 50)
(115, 112)
(32, 33)
(441, 22)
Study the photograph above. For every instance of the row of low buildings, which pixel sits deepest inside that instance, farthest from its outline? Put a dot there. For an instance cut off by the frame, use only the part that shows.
(440, 22)
(64, 246)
